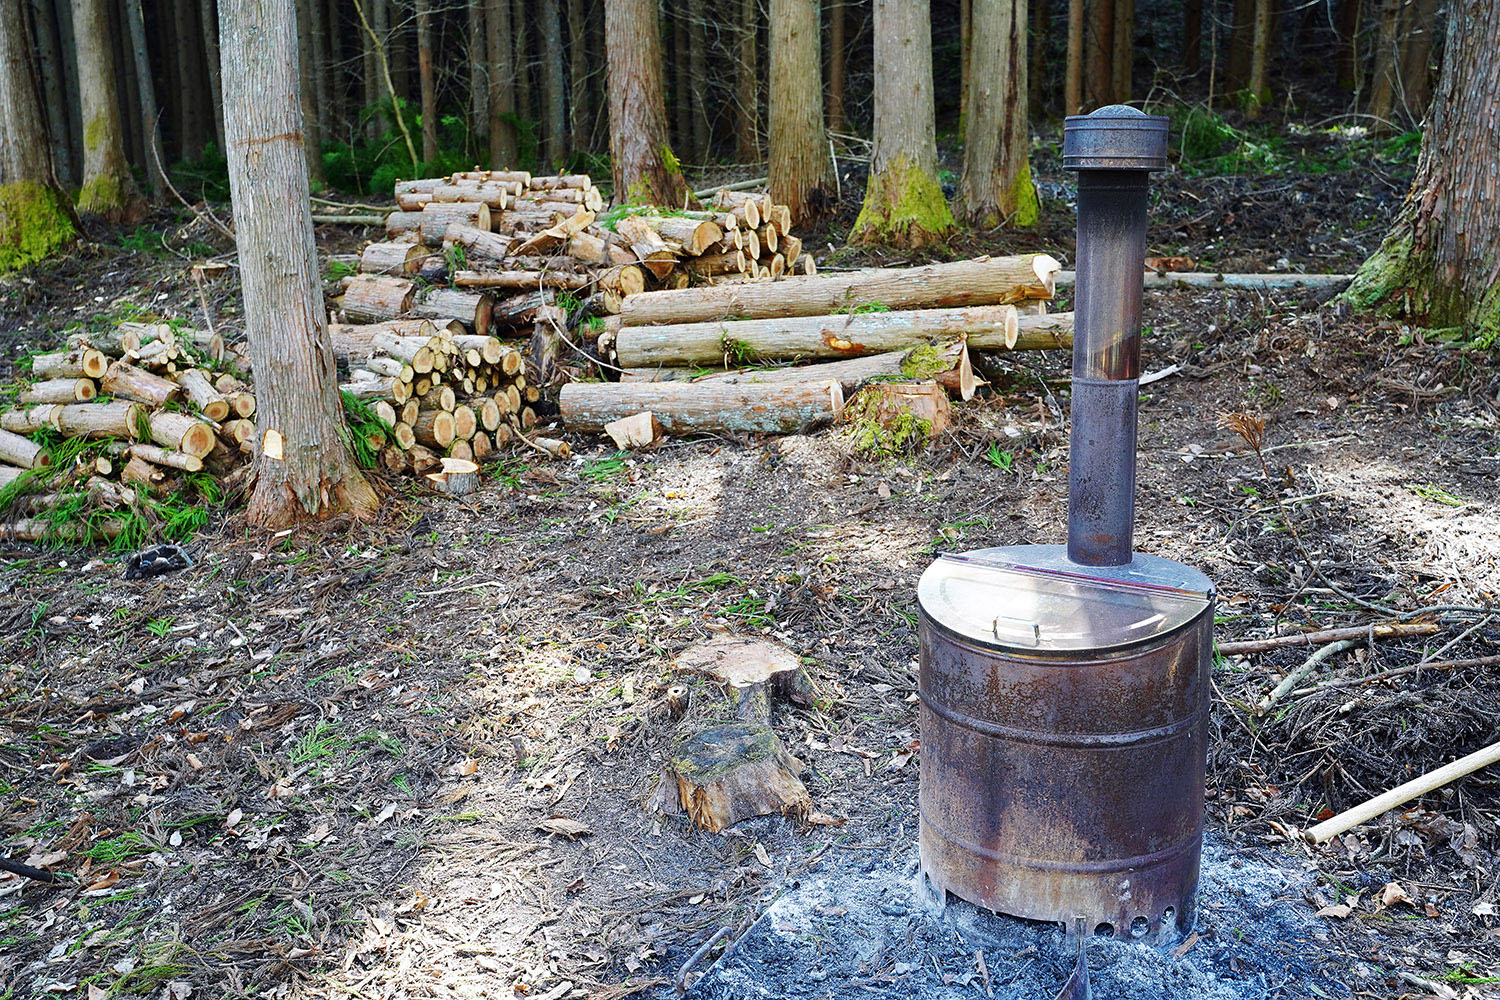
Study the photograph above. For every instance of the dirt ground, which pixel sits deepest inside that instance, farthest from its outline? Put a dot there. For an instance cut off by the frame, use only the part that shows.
(325, 765)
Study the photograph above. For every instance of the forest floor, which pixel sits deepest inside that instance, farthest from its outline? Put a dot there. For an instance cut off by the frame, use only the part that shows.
(325, 765)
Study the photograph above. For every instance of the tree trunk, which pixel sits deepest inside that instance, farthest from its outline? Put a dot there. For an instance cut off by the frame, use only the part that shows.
(1241, 44)
(682, 83)
(321, 66)
(965, 33)
(698, 70)
(1098, 82)
(303, 467)
(1192, 37)
(307, 70)
(129, 94)
(554, 101)
(747, 83)
(53, 84)
(209, 25)
(479, 94)
(74, 97)
(1073, 84)
(996, 184)
(34, 219)
(800, 171)
(1439, 264)
(372, 87)
(190, 75)
(1257, 84)
(580, 111)
(1416, 58)
(835, 61)
(399, 51)
(1385, 73)
(427, 81)
(520, 33)
(643, 165)
(1349, 75)
(337, 83)
(1036, 60)
(108, 188)
(1123, 60)
(904, 204)
(503, 151)
(147, 96)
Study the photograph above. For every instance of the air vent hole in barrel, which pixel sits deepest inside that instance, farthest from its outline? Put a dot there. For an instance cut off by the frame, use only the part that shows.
(1167, 916)
(1105, 929)
(1139, 926)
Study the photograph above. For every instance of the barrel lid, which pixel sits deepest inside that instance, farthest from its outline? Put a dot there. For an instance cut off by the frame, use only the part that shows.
(1118, 137)
(1032, 598)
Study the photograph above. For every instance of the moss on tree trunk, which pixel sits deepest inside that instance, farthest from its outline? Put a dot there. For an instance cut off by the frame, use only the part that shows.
(904, 206)
(33, 224)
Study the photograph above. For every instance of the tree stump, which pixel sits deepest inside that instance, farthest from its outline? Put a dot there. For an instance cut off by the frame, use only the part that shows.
(732, 765)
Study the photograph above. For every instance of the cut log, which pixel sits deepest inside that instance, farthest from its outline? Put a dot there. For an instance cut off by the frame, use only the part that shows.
(392, 258)
(716, 263)
(79, 362)
(465, 422)
(125, 381)
(807, 336)
(1209, 279)
(556, 235)
(986, 281)
(623, 280)
(30, 419)
(24, 452)
(593, 248)
(371, 298)
(371, 388)
(639, 430)
(406, 223)
(121, 339)
(436, 217)
(472, 309)
(946, 362)
(9, 474)
(180, 432)
(521, 279)
(58, 390)
(686, 407)
(729, 773)
(139, 472)
(403, 435)
(490, 350)
(157, 455)
(118, 420)
(478, 242)
(496, 196)
(434, 428)
(518, 310)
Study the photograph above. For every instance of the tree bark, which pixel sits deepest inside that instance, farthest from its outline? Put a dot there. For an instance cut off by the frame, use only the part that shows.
(1241, 44)
(1416, 58)
(682, 83)
(503, 150)
(1122, 63)
(1385, 77)
(129, 95)
(1439, 264)
(835, 61)
(554, 101)
(209, 24)
(427, 81)
(643, 165)
(701, 84)
(520, 33)
(965, 34)
(747, 83)
(34, 218)
(1349, 16)
(303, 466)
(191, 75)
(580, 110)
(155, 159)
(307, 70)
(478, 103)
(800, 171)
(337, 84)
(996, 185)
(1257, 84)
(108, 188)
(1099, 47)
(1036, 60)
(53, 83)
(322, 66)
(904, 204)
(689, 407)
(1192, 37)
(1073, 83)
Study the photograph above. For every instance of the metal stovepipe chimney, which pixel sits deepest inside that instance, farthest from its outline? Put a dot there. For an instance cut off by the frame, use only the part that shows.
(1114, 150)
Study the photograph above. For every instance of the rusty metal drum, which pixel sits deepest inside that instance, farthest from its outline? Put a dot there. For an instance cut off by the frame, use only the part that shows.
(1064, 715)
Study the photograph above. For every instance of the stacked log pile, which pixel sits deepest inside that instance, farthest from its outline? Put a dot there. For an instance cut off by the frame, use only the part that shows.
(684, 355)
(138, 409)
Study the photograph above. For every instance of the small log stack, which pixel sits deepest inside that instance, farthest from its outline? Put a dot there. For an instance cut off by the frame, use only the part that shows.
(161, 401)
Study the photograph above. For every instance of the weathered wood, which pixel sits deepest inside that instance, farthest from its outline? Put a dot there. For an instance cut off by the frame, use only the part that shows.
(808, 336)
(1213, 279)
(125, 381)
(639, 430)
(79, 362)
(881, 414)
(58, 390)
(166, 457)
(478, 242)
(521, 279)
(457, 477)
(986, 281)
(472, 309)
(392, 258)
(24, 452)
(30, 419)
(117, 419)
(686, 407)
(373, 298)
(946, 362)
(180, 432)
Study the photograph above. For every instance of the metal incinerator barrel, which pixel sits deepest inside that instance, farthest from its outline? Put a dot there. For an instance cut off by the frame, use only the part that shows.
(1064, 735)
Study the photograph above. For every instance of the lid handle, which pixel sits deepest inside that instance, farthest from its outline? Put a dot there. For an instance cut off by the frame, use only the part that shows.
(1018, 630)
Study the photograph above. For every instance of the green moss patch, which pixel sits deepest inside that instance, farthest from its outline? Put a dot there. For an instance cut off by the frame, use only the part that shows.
(904, 206)
(33, 224)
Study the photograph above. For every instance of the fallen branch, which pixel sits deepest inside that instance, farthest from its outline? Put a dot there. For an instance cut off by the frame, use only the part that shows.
(1389, 631)
(1308, 666)
(1401, 794)
(1210, 279)
(351, 220)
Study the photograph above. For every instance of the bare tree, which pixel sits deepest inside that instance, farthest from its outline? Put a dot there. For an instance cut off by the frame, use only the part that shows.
(747, 83)
(1440, 263)
(503, 151)
(146, 93)
(554, 103)
(904, 204)
(801, 168)
(303, 466)
(108, 188)
(427, 81)
(835, 60)
(996, 185)
(644, 168)
(34, 219)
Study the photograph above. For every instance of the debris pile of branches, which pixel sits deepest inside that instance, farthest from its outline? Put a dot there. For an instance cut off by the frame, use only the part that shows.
(124, 433)
(784, 358)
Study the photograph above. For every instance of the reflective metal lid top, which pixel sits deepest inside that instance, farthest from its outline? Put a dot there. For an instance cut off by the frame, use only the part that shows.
(1118, 137)
(1032, 598)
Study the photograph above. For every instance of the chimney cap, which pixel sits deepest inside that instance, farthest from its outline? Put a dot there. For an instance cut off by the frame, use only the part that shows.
(1117, 137)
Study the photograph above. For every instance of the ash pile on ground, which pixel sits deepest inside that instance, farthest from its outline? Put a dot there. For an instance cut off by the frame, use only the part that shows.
(868, 932)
